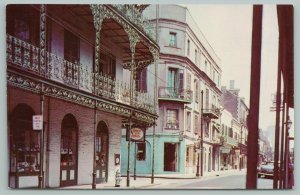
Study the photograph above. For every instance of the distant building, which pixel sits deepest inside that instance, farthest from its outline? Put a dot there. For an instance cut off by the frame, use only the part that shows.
(236, 106)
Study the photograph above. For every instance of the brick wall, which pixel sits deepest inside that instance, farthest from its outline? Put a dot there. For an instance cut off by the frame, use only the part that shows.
(84, 116)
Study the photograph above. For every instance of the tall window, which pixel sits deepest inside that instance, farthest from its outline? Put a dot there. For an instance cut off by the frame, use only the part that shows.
(196, 123)
(71, 49)
(188, 47)
(175, 78)
(205, 66)
(207, 99)
(172, 39)
(188, 81)
(107, 64)
(141, 151)
(230, 133)
(206, 126)
(172, 119)
(142, 80)
(23, 23)
(196, 83)
(189, 121)
(196, 56)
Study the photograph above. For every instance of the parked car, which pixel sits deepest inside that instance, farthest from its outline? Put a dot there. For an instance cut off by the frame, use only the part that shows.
(266, 170)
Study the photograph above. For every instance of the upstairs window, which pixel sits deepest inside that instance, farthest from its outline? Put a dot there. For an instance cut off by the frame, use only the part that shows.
(23, 23)
(71, 50)
(175, 78)
(142, 80)
(107, 64)
(188, 47)
(196, 90)
(172, 119)
(196, 123)
(188, 81)
(196, 56)
(189, 121)
(172, 39)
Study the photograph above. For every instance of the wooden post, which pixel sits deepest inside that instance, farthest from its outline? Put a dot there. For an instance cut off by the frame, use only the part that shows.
(253, 118)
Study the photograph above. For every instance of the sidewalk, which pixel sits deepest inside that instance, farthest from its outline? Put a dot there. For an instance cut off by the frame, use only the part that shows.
(144, 181)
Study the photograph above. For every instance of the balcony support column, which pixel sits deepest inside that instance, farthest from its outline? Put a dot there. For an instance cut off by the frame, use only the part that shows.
(133, 40)
(98, 19)
(43, 38)
(99, 16)
(155, 54)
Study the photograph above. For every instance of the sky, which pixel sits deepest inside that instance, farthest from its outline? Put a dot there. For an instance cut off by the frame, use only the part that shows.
(228, 28)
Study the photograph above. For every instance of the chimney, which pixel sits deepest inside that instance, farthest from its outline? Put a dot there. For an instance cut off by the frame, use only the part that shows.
(231, 84)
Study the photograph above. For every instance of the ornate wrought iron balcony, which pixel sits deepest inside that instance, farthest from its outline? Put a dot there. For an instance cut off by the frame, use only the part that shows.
(172, 125)
(175, 94)
(25, 56)
(135, 15)
(211, 112)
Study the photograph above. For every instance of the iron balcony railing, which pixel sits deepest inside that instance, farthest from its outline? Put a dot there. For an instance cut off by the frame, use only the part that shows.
(76, 75)
(136, 16)
(212, 112)
(172, 125)
(175, 94)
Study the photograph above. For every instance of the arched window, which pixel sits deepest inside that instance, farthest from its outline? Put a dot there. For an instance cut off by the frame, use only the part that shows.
(24, 142)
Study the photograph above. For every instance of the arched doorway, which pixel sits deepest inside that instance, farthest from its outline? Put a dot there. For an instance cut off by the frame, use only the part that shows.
(69, 151)
(24, 147)
(101, 152)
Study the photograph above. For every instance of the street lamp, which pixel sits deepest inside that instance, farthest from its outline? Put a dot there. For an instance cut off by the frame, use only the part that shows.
(289, 123)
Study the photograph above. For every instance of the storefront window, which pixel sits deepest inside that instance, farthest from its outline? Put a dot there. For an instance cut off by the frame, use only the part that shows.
(25, 142)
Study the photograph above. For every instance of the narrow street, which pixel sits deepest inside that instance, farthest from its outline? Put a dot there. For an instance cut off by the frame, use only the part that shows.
(235, 181)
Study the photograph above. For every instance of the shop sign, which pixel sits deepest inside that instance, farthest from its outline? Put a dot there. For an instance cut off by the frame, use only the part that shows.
(137, 134)
(37, 122)
(225, 150)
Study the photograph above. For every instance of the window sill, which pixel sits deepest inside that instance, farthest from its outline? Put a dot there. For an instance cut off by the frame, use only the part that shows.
(175, 47)
(167, 128)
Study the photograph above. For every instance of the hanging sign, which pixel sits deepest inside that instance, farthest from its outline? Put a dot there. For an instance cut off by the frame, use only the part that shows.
(37, 122)
(137, 134)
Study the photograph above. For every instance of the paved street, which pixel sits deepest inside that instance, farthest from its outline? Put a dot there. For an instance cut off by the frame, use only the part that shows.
(235, 181)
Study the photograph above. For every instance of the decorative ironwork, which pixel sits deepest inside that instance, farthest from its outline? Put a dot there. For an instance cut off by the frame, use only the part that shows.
(176, 94)
(22, 54)
(75, 97)
(23, 82)
(43, 39)
(211, 112)
(135, 15)
(75, 75)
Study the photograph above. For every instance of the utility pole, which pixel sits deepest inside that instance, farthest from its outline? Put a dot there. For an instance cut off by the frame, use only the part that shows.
(201, 136)
(251, 179)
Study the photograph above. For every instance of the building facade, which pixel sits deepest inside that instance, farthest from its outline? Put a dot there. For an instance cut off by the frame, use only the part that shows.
(236, 106)
(189, 76)
(69, 64)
